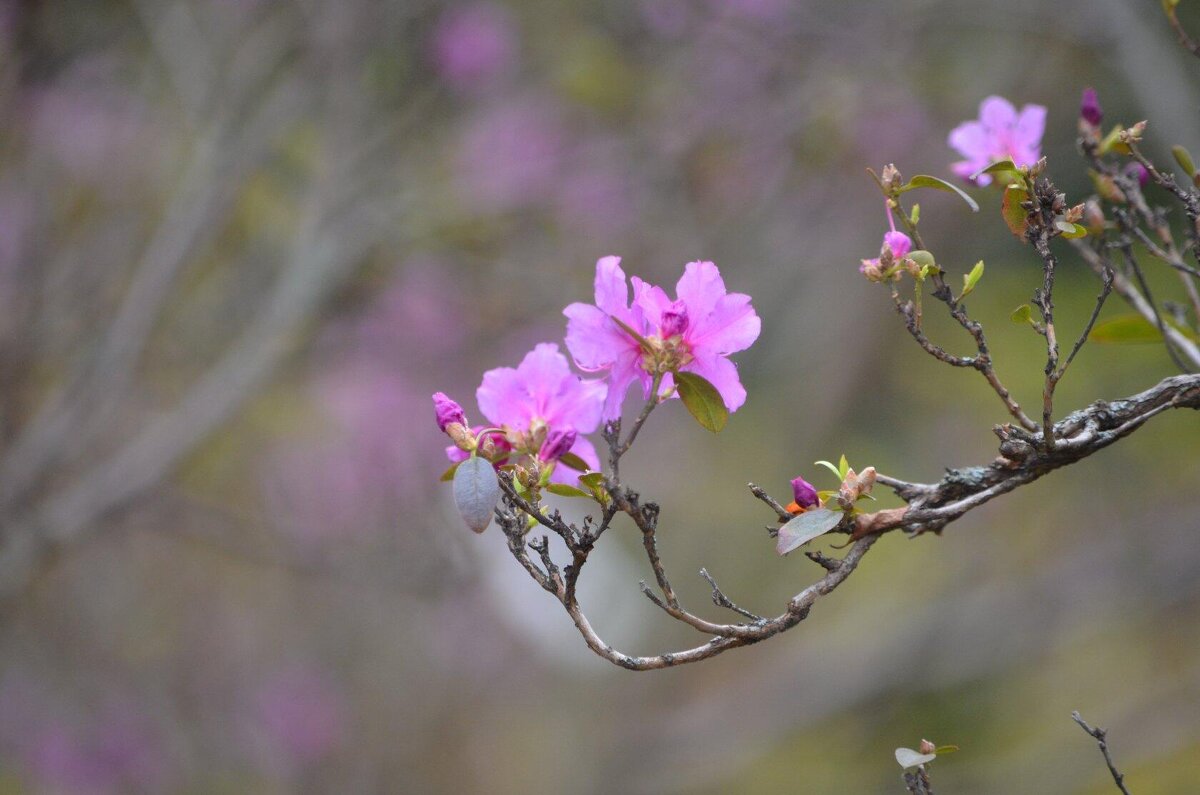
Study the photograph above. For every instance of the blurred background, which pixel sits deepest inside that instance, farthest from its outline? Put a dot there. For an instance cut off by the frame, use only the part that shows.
(243, 241)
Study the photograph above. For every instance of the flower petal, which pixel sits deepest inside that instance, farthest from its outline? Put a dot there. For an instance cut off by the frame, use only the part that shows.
(623, 373)
(732, 326)
(585, 450)
(612, 293)
(503, 399)
(971, 140)
(593, 339)
(997, 114)
(651, 299)
(700, 288)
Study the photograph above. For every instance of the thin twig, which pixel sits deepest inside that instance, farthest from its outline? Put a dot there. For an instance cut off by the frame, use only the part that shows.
(1100, 736)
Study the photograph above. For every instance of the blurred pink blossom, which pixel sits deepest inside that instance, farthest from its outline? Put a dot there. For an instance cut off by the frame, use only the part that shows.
(510, 156)
(473, 44)
(1000, 132)
(298, 716)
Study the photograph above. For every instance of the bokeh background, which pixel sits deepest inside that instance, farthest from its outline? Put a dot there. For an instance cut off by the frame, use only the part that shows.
(242, 242)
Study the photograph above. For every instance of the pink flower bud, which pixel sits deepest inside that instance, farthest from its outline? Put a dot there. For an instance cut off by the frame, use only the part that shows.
(1089, 108)
(804, 493)
(557, 443)
(674, 320)
(447, 411)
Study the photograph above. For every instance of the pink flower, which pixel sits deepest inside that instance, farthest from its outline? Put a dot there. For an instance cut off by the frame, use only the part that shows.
(999, 133)
(695, 333)
(538, 398)
(896, 242)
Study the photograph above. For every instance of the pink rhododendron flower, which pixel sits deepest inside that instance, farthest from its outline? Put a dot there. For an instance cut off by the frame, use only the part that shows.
(697, 332)
(896, 242)
(540, 397)
(999, 133)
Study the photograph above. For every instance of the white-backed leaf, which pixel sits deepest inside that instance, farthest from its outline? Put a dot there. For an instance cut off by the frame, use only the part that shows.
(907, 758)
(476, 490)
(801, 529)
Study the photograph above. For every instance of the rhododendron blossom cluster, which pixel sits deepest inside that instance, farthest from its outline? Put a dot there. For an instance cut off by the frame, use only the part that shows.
(541, 411)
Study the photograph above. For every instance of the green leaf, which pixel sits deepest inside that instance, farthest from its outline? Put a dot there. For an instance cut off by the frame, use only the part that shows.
(907, 758)
(574, 462)
(1169, 6)
(971, 279)
(1070, 230)
(1112, 142)
(836, 472)
(926, 181)
(1022, 314)
(995, 168)
(1125, 330)
(563, 490)
(1184, 158)
(801, 529)
(593, 480)
(476, 490)
(924, 259)
(914, 217)
(703, 401)
(448, 475)
(945, 749)
(843, 466)
(1012, 211)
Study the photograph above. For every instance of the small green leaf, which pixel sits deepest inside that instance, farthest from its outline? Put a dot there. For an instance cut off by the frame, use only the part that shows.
(563, 490)
(1112, 142)
(843, 466)
(574, 462)
(971, 279)
(448, 475)
(907, 758)
(1169, 6)
(1070, 230)
(836, 473)
(1125, 330)
(703, 401)
(1012, 211)
(1022, 314)
(945, 749)
(926, 181)
(476, 491)
(1184, 158)
(995, 168)
(799, 530)
(593, 480)
(914, 217)
(924, 259)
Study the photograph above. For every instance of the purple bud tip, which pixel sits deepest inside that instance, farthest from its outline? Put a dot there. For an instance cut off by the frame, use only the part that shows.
(1089, 108)
(899, 243)
(804, 493)
(1139, 171)
(447, 411)
(674, 320)
(557, 444)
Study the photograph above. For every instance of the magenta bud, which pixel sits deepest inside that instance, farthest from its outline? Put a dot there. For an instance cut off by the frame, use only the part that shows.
(1139, 171)
(447, 411)
(898, 243)
(674, 320)
(804, 493)
(1089, 108)
(557, 444)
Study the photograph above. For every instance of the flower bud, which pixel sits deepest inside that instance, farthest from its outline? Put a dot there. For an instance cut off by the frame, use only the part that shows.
(447, 411)
(1089, 108)
(804, 493)
(674, 320)
(461, 436)
(898, 243)
(890, 177)
(927, 747)
(557, 443)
